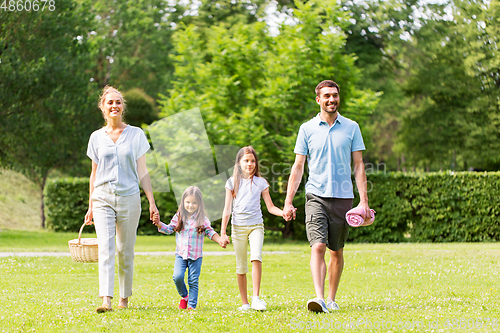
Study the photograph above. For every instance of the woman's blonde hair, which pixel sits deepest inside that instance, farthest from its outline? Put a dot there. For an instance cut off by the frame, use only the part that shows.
(110, 89)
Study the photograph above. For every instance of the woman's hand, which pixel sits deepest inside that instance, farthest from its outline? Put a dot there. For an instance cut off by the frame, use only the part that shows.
(89, 216)
(156, 219)
(154, 214)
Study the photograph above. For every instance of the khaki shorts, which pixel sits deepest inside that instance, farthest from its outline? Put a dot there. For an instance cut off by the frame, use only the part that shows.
(241, 236)
(325, 221)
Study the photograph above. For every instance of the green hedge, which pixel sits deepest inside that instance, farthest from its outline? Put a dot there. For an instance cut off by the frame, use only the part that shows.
(462, 207)
(67, 201)
(433, 207)
(430, 207)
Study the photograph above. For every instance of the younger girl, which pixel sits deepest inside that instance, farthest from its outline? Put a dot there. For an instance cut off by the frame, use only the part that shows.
(190, 225)
(245, 188)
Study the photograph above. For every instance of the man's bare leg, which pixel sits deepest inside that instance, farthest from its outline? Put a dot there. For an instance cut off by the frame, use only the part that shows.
(318, 269)
(335, 267)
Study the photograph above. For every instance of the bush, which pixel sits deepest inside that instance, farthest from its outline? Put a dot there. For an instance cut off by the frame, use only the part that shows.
(431, 207)
(460, 207)
(387, 196)
(141, 108)
(67, 201)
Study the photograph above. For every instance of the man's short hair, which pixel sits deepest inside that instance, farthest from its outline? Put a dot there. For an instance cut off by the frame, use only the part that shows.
(326, 83)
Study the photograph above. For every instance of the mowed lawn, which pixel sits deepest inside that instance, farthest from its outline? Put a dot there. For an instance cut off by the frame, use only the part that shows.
(384, 287)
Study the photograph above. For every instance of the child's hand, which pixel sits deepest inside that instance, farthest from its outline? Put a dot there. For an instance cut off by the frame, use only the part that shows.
(226, 240)
(222, 243)
(156, 219)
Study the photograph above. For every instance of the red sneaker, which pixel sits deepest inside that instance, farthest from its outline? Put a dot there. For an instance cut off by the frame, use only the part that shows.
(183, 303)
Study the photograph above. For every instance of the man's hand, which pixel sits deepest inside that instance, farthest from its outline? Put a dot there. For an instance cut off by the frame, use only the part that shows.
(366, 208)
(289, 212)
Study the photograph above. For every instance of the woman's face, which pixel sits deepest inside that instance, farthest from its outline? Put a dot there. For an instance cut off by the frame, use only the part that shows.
(112, 106)
(191, 204)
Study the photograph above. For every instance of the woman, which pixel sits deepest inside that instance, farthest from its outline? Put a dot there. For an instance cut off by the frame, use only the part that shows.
(118, 159)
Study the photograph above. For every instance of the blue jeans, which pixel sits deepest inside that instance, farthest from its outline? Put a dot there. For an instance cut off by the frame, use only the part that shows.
(194, 270)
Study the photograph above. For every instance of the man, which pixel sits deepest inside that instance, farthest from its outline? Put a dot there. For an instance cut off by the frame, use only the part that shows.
(327, 140)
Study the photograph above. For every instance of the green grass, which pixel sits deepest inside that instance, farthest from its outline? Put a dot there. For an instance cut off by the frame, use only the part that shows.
(46, 241)
(412, 284)
(427, 287)
(19, 202)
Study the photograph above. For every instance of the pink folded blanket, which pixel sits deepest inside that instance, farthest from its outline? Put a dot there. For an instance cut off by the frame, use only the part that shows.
(354, 217)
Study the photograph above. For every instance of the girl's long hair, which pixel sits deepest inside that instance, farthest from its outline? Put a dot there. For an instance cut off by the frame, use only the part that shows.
(237, 168)
(200, 214)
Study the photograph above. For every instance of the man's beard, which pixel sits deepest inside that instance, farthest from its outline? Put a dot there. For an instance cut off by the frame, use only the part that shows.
(331, 111)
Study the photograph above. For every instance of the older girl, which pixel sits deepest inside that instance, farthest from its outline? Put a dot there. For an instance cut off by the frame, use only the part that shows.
(244, 189)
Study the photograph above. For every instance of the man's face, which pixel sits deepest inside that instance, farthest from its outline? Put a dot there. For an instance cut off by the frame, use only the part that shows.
(328, 99)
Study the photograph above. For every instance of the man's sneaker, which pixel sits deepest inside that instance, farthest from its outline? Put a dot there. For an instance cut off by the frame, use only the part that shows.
(317, 305)
(331, 305)
(244, 307)
(258, 304)
(183, 303)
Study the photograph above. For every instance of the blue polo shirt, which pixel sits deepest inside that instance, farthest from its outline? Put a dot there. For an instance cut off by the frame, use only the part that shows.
(328, 151)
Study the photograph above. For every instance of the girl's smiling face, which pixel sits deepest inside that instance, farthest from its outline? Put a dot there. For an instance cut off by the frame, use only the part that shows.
(247, 165)
(191, 204)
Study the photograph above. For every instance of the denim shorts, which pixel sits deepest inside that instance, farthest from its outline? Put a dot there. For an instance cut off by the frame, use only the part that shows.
(325, 221)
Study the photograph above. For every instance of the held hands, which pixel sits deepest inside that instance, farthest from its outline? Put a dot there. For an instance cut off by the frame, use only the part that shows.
(224, 239)
(222, 242)
(152, 211)
(156, 219)
(289, 212)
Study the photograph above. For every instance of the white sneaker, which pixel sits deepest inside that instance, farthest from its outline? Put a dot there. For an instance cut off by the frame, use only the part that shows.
(244, 307)
(317, 305)
(331, 305)
(258, 304)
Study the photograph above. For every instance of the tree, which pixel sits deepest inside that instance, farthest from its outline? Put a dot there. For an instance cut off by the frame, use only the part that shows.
(379, 35)
(478, 23)
(131, 44)
(255, 88)
(47, 103)
(455, 88)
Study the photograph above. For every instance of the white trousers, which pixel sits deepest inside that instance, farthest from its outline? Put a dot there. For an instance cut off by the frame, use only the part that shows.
(115, 214)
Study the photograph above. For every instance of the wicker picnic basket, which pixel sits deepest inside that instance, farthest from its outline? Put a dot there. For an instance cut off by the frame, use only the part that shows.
(84, 249)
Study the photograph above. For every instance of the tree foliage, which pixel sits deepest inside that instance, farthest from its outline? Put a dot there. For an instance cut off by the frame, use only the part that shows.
(131, 44)
(422, 80)
(455, 86)
(256, 89)
(45, 111)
